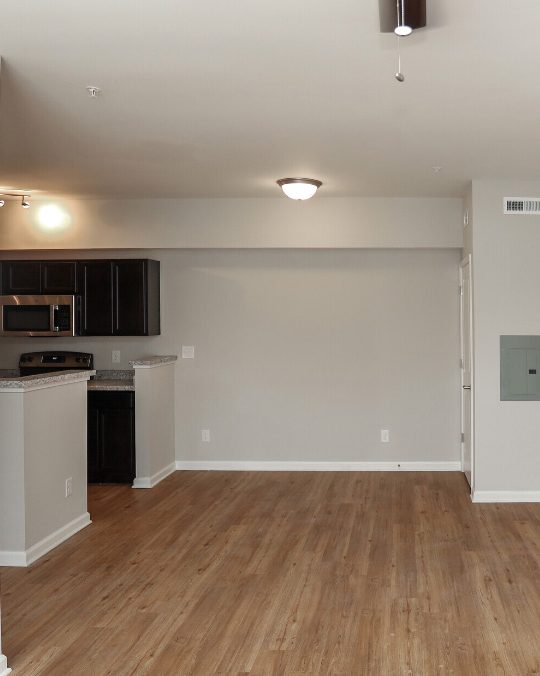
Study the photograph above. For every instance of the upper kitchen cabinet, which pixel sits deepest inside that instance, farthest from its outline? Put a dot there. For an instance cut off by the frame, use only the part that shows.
(59, 277)
(119, 297)
(96, 290)
(24, 278)
(21, 277)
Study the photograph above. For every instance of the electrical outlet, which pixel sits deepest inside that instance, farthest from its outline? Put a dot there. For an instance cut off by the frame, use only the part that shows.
(116, 356)
(205, 435)
(188, 352)
(69, 487)
(385, 436)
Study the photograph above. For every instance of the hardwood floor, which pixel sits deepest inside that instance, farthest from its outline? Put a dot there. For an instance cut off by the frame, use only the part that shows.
(284, 573)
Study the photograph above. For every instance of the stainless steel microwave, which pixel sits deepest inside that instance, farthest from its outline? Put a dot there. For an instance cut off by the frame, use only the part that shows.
(37, 315)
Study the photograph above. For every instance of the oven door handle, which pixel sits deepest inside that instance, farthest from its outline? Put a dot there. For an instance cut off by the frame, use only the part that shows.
(54, 319)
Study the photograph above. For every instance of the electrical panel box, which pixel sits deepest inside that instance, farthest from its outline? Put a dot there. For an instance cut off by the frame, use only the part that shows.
(520, 368)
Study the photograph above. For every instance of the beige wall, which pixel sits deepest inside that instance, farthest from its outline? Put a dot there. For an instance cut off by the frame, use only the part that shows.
(304, 355)
(237, 223)
(506, 287)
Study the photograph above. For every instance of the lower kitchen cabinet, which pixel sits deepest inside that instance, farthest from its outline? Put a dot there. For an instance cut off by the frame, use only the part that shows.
(111, 437)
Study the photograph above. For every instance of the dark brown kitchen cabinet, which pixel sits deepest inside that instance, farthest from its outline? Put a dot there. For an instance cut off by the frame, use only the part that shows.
(96, 289)
(119, 297)
(59, 278)
(23, 278)
(111, 437)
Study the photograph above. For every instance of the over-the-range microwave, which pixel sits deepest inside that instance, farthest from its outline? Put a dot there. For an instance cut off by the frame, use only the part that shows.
(37, 315)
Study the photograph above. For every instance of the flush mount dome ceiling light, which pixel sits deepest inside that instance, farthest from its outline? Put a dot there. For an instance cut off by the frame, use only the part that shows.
(299, 188)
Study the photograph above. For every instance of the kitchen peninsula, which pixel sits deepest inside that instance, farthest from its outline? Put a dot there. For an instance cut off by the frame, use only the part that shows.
(43, 461)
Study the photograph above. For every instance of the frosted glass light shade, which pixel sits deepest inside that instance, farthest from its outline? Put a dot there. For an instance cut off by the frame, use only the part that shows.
(402, 31)
(299, 188)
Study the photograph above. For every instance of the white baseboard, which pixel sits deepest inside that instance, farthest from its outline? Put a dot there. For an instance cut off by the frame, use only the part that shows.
(25, 558)
(301, 466)
(4, 671)
(506, 496)
(151, 481)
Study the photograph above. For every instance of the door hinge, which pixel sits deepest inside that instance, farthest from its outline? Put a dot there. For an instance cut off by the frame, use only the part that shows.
(463, 437)
(461, 290)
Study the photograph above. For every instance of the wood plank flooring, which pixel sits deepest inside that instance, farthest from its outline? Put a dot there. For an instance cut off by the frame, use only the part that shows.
(284, 573)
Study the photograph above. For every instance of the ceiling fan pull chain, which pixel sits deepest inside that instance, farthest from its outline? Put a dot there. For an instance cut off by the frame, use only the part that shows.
(399, 75)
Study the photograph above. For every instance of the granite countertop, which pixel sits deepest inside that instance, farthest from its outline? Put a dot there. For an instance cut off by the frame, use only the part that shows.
(42, 380)
(150, 362)
(112, 385)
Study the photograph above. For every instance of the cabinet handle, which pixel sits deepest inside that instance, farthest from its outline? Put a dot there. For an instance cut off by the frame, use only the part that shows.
(116, 286)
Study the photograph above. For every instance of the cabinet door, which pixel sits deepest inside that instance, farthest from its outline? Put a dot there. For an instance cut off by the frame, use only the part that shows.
(117, 447)
(92, 443)
(130, 316)
(21, 277)
(59, 277)
(96, 288)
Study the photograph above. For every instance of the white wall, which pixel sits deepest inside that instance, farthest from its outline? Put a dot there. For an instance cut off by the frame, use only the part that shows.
(236, 223)
(304, 355)
(506, 287)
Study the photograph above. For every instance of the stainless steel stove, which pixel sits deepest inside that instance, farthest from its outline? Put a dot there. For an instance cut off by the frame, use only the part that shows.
(32, 363)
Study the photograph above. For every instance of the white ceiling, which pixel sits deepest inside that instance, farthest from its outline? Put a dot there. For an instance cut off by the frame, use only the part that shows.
(215, 98)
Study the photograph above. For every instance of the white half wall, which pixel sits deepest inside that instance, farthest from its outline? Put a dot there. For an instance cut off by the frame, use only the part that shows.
(154, 423)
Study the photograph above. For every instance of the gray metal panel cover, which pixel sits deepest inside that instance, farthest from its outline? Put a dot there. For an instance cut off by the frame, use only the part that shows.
(520, 361)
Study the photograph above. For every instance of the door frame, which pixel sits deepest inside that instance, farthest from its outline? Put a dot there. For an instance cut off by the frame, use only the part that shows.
(467, 261)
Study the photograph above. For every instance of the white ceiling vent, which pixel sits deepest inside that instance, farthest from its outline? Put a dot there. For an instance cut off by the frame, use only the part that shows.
(522, 205)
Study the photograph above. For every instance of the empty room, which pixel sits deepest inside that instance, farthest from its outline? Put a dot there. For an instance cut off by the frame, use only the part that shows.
(269, 338)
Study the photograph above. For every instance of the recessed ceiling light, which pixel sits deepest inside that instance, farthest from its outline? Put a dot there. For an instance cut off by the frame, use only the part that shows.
(2, 203)
(299, 188)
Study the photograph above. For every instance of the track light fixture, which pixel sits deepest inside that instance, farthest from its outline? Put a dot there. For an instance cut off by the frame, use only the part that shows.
(25, 199)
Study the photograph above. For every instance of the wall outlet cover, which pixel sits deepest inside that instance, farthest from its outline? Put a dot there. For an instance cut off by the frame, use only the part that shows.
(188, 352)
(116, 356)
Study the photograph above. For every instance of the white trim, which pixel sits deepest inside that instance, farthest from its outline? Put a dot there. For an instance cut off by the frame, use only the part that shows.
(506, 496)
(301, 466)
(467, 261)
(4, 669)
(151, 481)
(25, 558)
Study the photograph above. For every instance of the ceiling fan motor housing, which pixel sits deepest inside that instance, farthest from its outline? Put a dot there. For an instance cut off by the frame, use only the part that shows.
(414, 12)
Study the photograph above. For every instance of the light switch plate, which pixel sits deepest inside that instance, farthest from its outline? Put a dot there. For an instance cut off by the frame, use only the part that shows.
(188, 352)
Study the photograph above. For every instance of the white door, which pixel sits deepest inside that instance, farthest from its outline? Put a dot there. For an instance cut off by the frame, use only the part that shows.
(467, 401)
